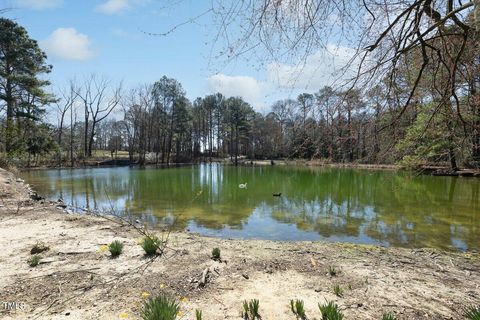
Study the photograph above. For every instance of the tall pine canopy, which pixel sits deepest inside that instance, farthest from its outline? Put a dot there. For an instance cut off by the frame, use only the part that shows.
(22, 63)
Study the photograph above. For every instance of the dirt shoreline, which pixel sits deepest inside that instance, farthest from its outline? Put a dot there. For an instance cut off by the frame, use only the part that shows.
(77, 279)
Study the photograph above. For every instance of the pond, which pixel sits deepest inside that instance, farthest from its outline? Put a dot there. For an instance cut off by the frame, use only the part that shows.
(385, 208)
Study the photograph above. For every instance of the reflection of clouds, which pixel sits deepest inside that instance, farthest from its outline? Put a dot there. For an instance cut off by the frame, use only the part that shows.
(336, 204)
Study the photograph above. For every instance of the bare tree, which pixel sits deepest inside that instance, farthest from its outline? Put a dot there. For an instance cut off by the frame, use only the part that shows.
(99, 100)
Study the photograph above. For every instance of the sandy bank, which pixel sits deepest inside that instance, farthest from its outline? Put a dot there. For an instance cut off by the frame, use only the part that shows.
(77, 279)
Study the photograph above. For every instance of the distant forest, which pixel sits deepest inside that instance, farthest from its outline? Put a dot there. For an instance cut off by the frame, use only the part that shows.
(405, 119)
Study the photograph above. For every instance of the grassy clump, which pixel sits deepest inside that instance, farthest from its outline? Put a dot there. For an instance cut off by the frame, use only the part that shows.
(472, 313)
(198, 314)
(330, 311)
(160, 308)
(388, 316)
(332, 271)
(337, 290)
(34, 260)
(298, 309)
(250, 309)
(115, 248)
(150, 244)
(216, 254)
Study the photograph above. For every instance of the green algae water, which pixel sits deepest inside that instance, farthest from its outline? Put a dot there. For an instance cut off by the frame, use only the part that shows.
(348, 205)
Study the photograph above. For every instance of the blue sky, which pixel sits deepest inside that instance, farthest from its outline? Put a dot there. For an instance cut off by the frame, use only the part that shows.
(105, 37)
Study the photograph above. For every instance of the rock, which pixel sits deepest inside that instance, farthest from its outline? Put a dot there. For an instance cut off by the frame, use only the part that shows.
(245, 276)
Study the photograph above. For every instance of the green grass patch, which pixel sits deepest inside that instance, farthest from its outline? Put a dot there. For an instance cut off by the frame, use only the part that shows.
(160, 308)
(115, 248)
(216, 254)
(34, 260)
(150, 245)
(251, 309)
(330, 311)
(388, 316)
(298, 309)
(198, 314)
(337, 290)
(472, 313)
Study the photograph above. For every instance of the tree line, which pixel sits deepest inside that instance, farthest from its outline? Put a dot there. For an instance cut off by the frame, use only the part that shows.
(402, 119)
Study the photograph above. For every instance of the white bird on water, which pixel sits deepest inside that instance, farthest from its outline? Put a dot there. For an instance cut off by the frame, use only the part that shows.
(243, 185)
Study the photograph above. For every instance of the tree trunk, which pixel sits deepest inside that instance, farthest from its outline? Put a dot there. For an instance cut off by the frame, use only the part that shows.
(9, 134)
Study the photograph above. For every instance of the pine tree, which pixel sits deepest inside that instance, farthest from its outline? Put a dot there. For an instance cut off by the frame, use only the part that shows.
(21, 88)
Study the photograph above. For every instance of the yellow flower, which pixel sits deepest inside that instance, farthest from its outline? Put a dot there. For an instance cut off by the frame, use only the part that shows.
(184, 299)
(103, 248)
(162, 285)
(179, 313)
(145, 294)
(123, 315)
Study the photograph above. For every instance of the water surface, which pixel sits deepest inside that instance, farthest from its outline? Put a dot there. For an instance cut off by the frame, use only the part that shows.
(348, 205)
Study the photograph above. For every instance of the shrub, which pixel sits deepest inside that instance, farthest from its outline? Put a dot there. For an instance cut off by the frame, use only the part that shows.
(250, 309)
(337, 290)
(216, 254)
(160, 308)
(34, 260)
(298, 309)
(115, 248)
(472, 313)
(150, 244)
(388, 316)
(198, 314)
(330, 311)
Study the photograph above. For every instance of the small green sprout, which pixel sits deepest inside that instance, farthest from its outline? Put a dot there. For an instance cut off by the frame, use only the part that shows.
(338, 290)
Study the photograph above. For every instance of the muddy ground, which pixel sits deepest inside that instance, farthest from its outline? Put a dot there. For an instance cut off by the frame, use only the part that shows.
(77, 278)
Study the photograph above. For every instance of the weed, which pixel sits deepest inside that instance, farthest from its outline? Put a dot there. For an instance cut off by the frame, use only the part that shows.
(332, 271)
(150, 244)
(250, 309)
(330, 311)
(34, 260)
(115, 248)
(216, 254)
(161, 307)
(198, 314)
(472, 313)
(349, 286)
(298, 309)
(388, 316)
(338, 290)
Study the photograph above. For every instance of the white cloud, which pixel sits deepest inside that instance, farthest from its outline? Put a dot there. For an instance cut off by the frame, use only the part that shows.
(69, 44)
(38, 4)
(319, 69)
(113, 6)
(238, 86)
